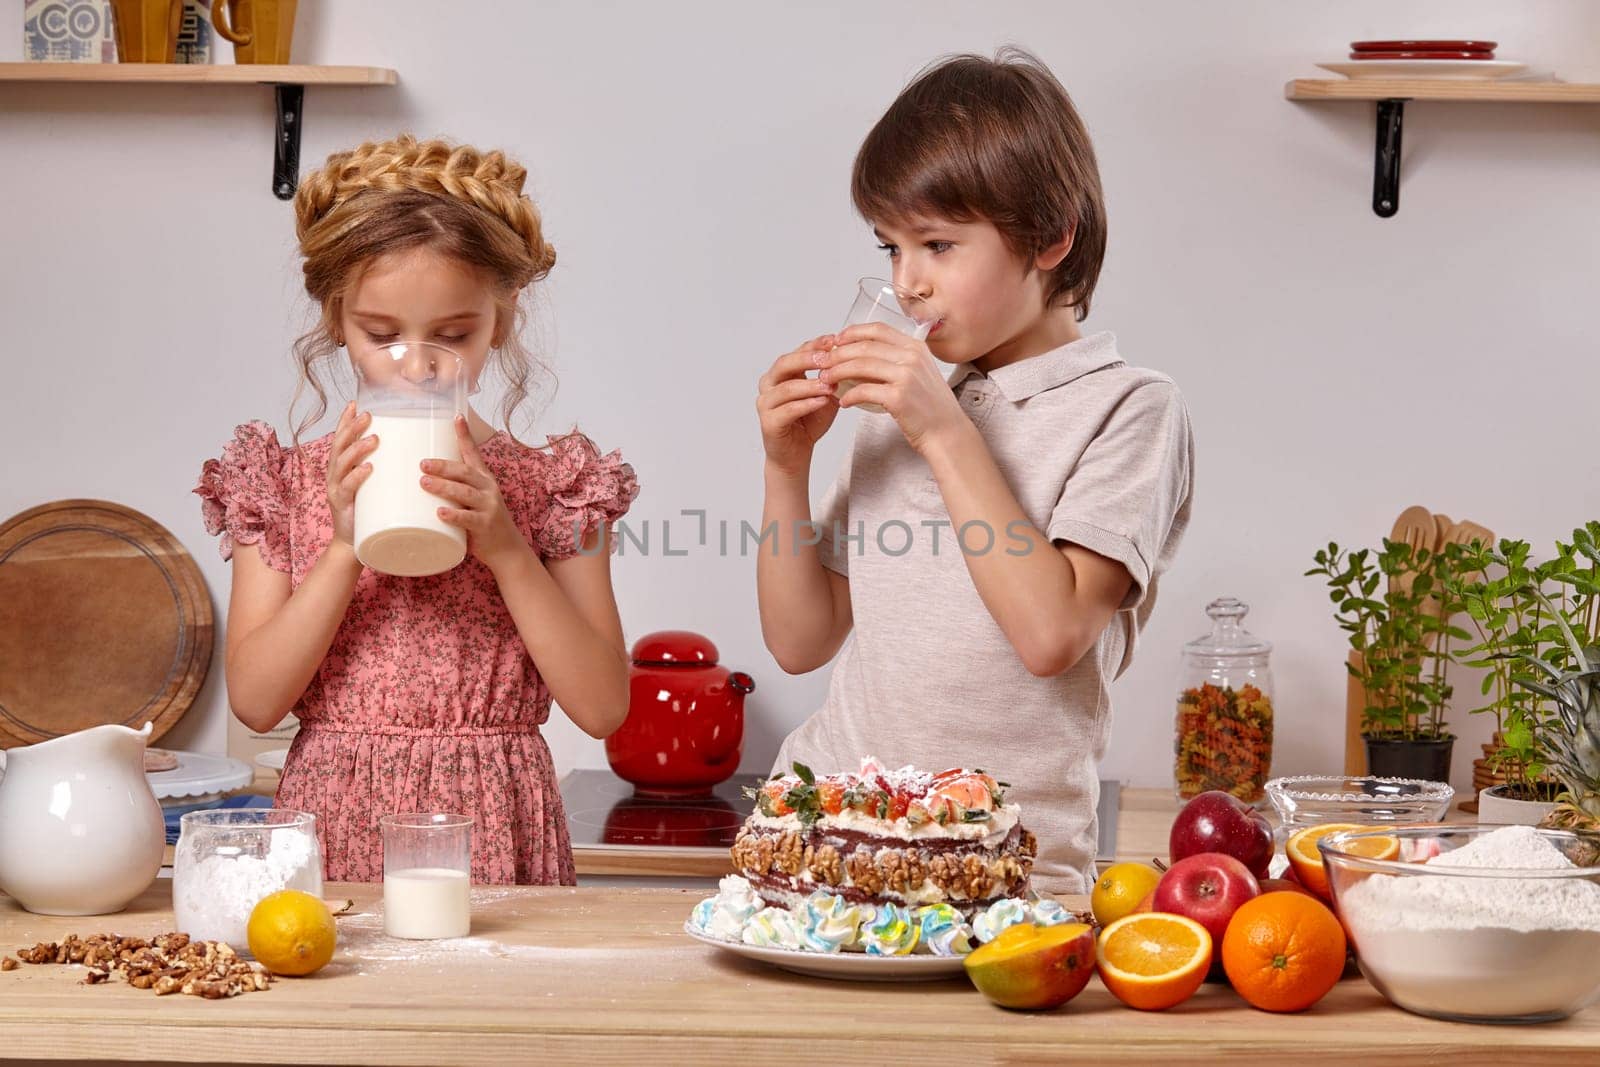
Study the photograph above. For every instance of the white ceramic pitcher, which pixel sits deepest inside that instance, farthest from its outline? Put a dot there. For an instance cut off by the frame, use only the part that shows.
(81, 832)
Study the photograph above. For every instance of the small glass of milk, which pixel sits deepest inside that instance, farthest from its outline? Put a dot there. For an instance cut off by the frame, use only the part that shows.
(878, 300)
(427, 875)
(414, 392)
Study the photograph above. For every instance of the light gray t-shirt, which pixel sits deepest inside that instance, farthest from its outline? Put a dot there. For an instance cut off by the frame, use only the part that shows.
(1098, 454)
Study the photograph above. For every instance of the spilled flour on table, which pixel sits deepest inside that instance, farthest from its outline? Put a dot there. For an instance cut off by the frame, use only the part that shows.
(365, 949)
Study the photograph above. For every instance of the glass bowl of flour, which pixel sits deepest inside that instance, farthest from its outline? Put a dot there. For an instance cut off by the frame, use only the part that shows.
(226, 861)
(1474, 923)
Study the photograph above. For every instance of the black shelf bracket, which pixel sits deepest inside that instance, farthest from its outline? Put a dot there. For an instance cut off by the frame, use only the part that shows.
(286, 147)
(1386, 158)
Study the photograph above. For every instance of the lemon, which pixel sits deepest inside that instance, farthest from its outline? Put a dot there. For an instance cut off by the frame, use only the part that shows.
(1120, 889)
(291, 933)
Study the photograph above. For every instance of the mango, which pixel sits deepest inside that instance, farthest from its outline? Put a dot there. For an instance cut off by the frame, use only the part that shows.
(1032, 967)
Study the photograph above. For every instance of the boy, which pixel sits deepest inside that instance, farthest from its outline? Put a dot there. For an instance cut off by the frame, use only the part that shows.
(993, 542)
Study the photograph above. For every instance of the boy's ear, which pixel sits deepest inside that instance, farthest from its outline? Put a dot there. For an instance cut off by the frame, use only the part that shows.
(1052, 256)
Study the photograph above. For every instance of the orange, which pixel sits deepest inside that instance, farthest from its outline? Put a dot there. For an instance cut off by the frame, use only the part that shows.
(1283, 951)
(1120, 890)
(1153, 960)
(1301, 848)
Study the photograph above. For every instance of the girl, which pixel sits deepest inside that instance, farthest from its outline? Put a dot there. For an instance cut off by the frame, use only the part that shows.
(423, 694)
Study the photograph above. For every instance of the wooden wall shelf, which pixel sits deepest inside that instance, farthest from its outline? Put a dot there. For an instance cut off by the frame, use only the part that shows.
(1391, 95)
(288, 83)
(1492, 92)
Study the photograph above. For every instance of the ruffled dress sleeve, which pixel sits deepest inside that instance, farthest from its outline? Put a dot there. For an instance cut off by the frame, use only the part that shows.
(243, 495)
(585, 491)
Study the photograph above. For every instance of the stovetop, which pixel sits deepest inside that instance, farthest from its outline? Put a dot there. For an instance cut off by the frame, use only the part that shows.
(603, 811)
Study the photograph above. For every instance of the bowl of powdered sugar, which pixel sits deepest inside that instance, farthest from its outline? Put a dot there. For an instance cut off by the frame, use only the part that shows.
(1474, 923)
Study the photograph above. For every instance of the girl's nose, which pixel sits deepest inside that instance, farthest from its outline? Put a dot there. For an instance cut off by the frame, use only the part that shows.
(417, 364)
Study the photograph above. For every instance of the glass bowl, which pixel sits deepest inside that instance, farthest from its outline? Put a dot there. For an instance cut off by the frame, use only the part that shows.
(228, 859)
(1474, 944)
(1306, 799)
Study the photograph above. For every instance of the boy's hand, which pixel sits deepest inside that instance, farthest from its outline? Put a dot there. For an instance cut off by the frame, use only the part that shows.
(477, 506)
(795, 410)
(899, 374)
(348, 468)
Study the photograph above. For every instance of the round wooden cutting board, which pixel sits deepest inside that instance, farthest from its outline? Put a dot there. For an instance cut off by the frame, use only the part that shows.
(104, 618)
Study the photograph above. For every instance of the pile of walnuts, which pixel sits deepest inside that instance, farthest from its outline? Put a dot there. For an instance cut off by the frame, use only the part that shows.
(170, 963)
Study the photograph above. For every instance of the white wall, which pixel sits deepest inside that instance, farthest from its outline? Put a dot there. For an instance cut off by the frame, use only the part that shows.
(692, 161)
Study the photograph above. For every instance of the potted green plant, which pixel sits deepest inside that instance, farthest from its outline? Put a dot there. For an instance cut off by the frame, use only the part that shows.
(1570, 738)
(1554, 657)
(1402, 634)
(1495, 586)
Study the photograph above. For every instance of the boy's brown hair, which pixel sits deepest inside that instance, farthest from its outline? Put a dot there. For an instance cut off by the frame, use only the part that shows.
(996, 139)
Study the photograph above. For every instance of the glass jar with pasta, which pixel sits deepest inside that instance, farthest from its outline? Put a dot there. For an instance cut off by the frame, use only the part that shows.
(1224, 731)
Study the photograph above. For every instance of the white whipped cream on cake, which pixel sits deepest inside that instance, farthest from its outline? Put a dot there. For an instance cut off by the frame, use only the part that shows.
(990, 832)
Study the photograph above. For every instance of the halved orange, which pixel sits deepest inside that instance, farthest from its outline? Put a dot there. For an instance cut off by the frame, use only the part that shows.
(1301, 848)
(1154, 960)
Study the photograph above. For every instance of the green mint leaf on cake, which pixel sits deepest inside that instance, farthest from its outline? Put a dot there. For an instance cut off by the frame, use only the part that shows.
(975, 815)
(804, 801)
(804, 773)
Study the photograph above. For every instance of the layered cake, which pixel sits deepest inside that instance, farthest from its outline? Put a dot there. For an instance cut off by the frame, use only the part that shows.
(906, 837)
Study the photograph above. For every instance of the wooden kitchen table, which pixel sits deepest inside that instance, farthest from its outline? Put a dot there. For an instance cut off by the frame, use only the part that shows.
(608, 976)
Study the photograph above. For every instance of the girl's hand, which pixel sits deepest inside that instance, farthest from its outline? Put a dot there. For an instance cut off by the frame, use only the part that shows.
(899, 374)
(347, 469)
(795, 410)
(477, 508)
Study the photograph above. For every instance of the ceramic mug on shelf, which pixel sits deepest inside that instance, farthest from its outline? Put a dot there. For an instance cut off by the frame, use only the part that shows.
(147, 30)
(261, 30)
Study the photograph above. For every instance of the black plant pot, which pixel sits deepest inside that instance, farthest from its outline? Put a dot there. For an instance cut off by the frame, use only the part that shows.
(1428, 760)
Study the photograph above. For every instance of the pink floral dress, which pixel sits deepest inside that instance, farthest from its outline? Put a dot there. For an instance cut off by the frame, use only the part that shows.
(427, 699)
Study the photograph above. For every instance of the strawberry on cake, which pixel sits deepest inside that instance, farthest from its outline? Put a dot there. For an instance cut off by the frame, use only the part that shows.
(904, 837)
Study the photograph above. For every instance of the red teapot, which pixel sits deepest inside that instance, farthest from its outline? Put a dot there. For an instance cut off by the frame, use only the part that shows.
(685, 726)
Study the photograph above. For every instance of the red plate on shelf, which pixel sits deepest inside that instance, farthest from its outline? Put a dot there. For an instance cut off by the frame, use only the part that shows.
(1381, 56)
(1423, 46)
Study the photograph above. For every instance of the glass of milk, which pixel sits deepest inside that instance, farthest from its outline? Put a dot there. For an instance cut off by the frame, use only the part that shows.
(878, 300)
(427, 875)
(414, 392)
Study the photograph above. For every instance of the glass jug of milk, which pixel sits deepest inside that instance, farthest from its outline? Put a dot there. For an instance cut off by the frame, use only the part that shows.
(414, 391)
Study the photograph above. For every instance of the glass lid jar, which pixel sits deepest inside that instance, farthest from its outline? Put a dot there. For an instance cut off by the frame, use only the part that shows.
(1224, 723)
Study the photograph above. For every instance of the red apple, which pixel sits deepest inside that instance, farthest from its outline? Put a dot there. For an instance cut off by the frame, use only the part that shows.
(1220, 822)
(1284, 885)
(1207, 888)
